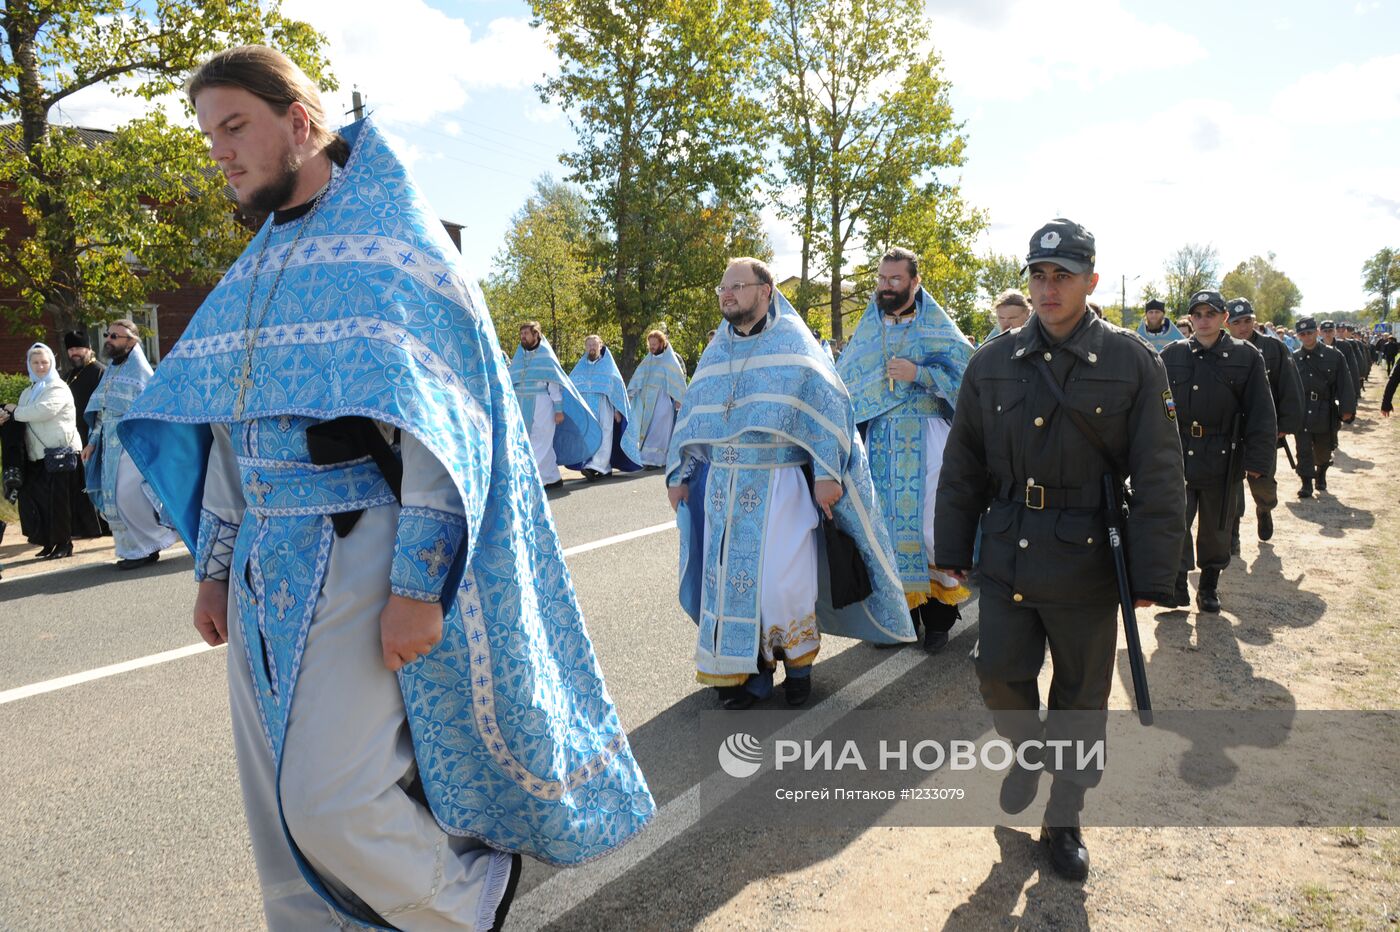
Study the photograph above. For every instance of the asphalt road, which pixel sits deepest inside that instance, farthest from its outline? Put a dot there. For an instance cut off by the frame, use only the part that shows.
(122, 808)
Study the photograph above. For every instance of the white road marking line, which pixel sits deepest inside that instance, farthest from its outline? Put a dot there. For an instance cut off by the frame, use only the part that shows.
(619, 538)
(567, 889)
(74, 679)
(87, 676)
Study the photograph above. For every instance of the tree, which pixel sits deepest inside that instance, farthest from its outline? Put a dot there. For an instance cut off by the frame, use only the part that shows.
(864, 124)
(939, 226)
(545, 268)
(116, 217)
(1380, 276)
(998, 273)
(658, 93)
(1274, 295)
(1190, 269)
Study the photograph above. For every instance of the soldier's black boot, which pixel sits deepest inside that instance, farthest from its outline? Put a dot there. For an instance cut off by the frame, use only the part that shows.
(1181, 595)
(1306, 490)
(1068, 856)
(1266, 524)
(1207, 600)
(1322, 478)
(1019, 786)
(1235, 538)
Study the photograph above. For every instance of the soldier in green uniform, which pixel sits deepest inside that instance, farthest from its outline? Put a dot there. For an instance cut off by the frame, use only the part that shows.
(1017, 461)
(1329, 400)
(1287, 392)
(1216, 380)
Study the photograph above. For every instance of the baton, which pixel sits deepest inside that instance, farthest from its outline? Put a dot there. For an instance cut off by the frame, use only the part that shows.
(1111, 489)
(1283, 442)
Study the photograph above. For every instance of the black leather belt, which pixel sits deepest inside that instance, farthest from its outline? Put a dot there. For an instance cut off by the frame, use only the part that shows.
(1039, 497)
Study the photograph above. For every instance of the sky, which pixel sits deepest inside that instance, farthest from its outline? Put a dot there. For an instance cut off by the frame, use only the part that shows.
(1255, 127)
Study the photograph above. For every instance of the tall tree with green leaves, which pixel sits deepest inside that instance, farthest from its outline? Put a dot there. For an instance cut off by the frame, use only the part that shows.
(116, 217)
(940, 227)
(659, 92)
(1380, 276)
(544, 270)
(998, 272)
(863, 122)
(1190, 269)
(1274, 295)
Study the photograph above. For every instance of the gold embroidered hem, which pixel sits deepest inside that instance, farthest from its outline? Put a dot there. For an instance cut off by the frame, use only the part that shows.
(722, 679)
(940, 592)
(797, 638)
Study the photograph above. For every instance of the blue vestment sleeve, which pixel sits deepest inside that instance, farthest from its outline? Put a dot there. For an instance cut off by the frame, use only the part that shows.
(432, 526)
(221, 511)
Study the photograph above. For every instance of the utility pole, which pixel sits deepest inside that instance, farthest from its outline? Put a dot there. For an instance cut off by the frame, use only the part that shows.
(357, 105)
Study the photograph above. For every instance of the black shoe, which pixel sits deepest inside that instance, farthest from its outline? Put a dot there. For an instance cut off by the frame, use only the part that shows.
(938, 620)
(42, 554)
(59, 553)
(592, 475)
(796, 689)
(736, 698)
(138, 562)
(1234, 546)
(1266, 525)
(1018, 788)
(1321, 481)
(554, 485)
(509, 896)
(1181, 595)
(1068, 856)
(1307, 490)
(1207, 599)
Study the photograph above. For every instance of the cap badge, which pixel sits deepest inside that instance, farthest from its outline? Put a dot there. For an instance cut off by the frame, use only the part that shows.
(1050, 240)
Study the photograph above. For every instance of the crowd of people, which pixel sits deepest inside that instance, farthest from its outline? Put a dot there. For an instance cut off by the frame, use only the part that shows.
(75, 480)
(361, 478)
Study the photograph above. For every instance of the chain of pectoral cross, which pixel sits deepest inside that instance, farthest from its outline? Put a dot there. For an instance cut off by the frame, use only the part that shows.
(735, 380)
(884, 343)
(245, 379)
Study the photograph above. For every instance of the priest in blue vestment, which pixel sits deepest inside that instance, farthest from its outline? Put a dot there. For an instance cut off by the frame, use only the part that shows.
(655, 391)
(561, 425)
(765, 449)
(1155, 328)
(903, 367)
(598, 380)
(113, 483)
(415, 699)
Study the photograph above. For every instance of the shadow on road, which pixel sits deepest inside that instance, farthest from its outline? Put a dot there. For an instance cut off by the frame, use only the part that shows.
(89, 577)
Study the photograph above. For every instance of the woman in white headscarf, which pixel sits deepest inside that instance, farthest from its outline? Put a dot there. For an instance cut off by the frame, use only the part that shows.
(51, 422)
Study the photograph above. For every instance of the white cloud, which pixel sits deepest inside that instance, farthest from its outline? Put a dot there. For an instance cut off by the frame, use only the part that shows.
(419, 63)
(104, 107)
(1214, 174)
(1349, 93)
(1010, 50)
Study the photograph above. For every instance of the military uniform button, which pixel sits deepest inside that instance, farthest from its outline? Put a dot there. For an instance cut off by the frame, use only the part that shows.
(1040, 422)
(1048, 357)
(998, 407)
(1190, 452)
(1091, 540)
(1017, 597)
(1195, 388)
(1098, 410)
(1024, 543)
(1093, 357)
